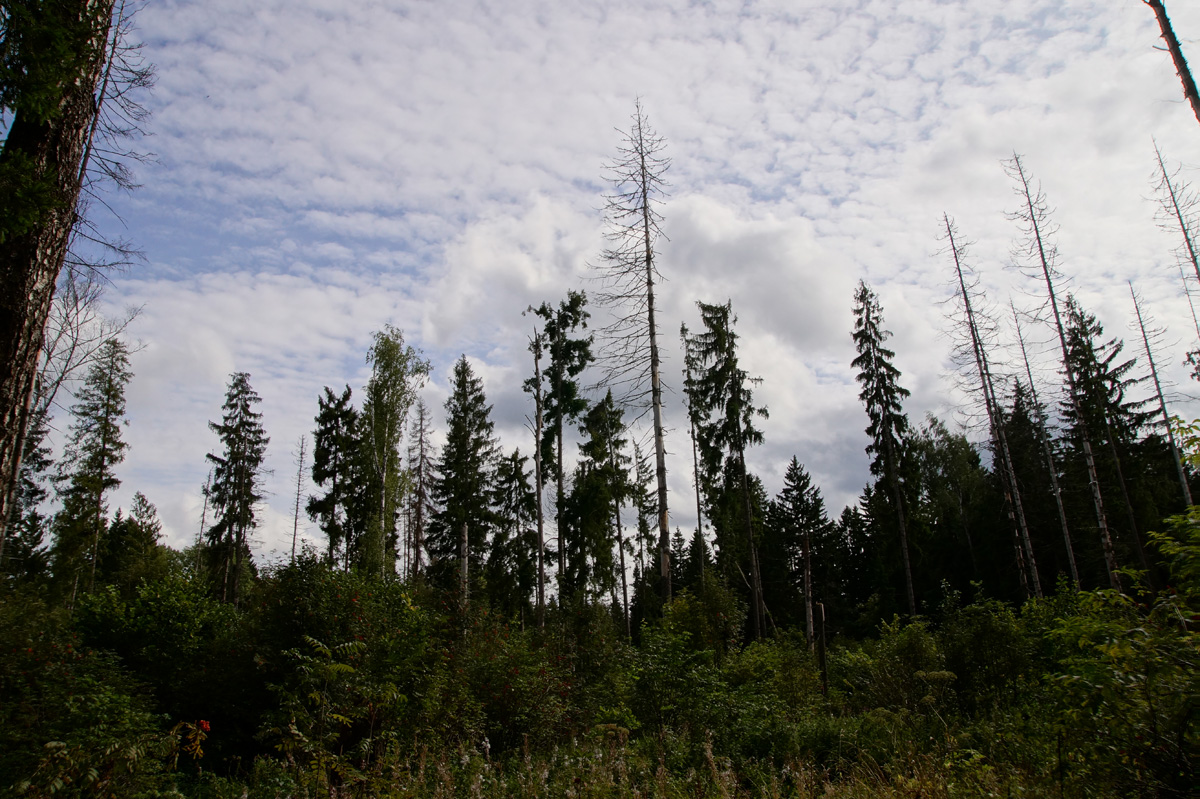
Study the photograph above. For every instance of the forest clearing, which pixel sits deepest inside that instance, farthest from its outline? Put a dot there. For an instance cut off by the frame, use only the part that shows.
(386, 453)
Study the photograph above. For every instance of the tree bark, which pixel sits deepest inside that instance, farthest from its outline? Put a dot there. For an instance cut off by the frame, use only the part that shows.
(808, 603)
(660, 448)
(539, 478)
(1051, 466)
(898, 498)
(1181, 65)
(1035, 216)
(30, 262)
(1012, 489)
(1162, 402)
(755, 573)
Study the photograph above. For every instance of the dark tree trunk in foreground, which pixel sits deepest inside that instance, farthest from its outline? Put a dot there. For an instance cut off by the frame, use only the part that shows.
(40, 171)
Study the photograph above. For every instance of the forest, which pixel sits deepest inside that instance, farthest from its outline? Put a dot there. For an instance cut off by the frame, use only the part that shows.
(1012, 617)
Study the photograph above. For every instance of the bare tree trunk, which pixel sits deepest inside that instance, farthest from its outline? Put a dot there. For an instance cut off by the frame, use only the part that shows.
(1036, 213)
(808, 603)
(203, 520)
(1162, 402)
(30, 261)
(660, 447)
(624, 579)
(299, 483)
(1133, 527)
(1019, 557)
(418, 533)
(696, 477)
(1181, 66)
(1176, 210)
(755, 573)
(535, 344)
(612, 462)
(992, 406)
(1051, 466)
(560, 498)
(898, 500)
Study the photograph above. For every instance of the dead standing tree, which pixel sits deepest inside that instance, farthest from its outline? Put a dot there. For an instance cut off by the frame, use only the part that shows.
(537, 346)
(1033, 217)
(1044, 438)
(1162, 402)
(1026, 562)
(628, 271)
(1181, 65)
(1177, 210)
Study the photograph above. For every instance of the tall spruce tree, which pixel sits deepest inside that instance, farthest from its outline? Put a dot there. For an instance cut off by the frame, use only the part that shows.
(1103, 409)
(593, 506)
(463, 484)
(135, 554)
(511, 569)
(882, 395)
(236, 487)
(561, 401)
(722, 404)
(335, 449)
(796, 521)
(87, 472)
(420, 470)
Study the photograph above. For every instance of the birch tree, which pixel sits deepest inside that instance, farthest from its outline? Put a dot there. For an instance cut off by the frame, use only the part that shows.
(397, 372)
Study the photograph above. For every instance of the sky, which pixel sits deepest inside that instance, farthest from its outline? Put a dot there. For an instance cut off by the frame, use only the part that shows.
(325, 168)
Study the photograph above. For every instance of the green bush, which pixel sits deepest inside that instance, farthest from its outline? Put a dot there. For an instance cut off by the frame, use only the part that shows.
(72, 722)
(1129, 695)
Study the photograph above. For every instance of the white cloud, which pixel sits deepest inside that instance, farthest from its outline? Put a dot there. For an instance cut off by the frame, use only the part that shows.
(327, 168)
